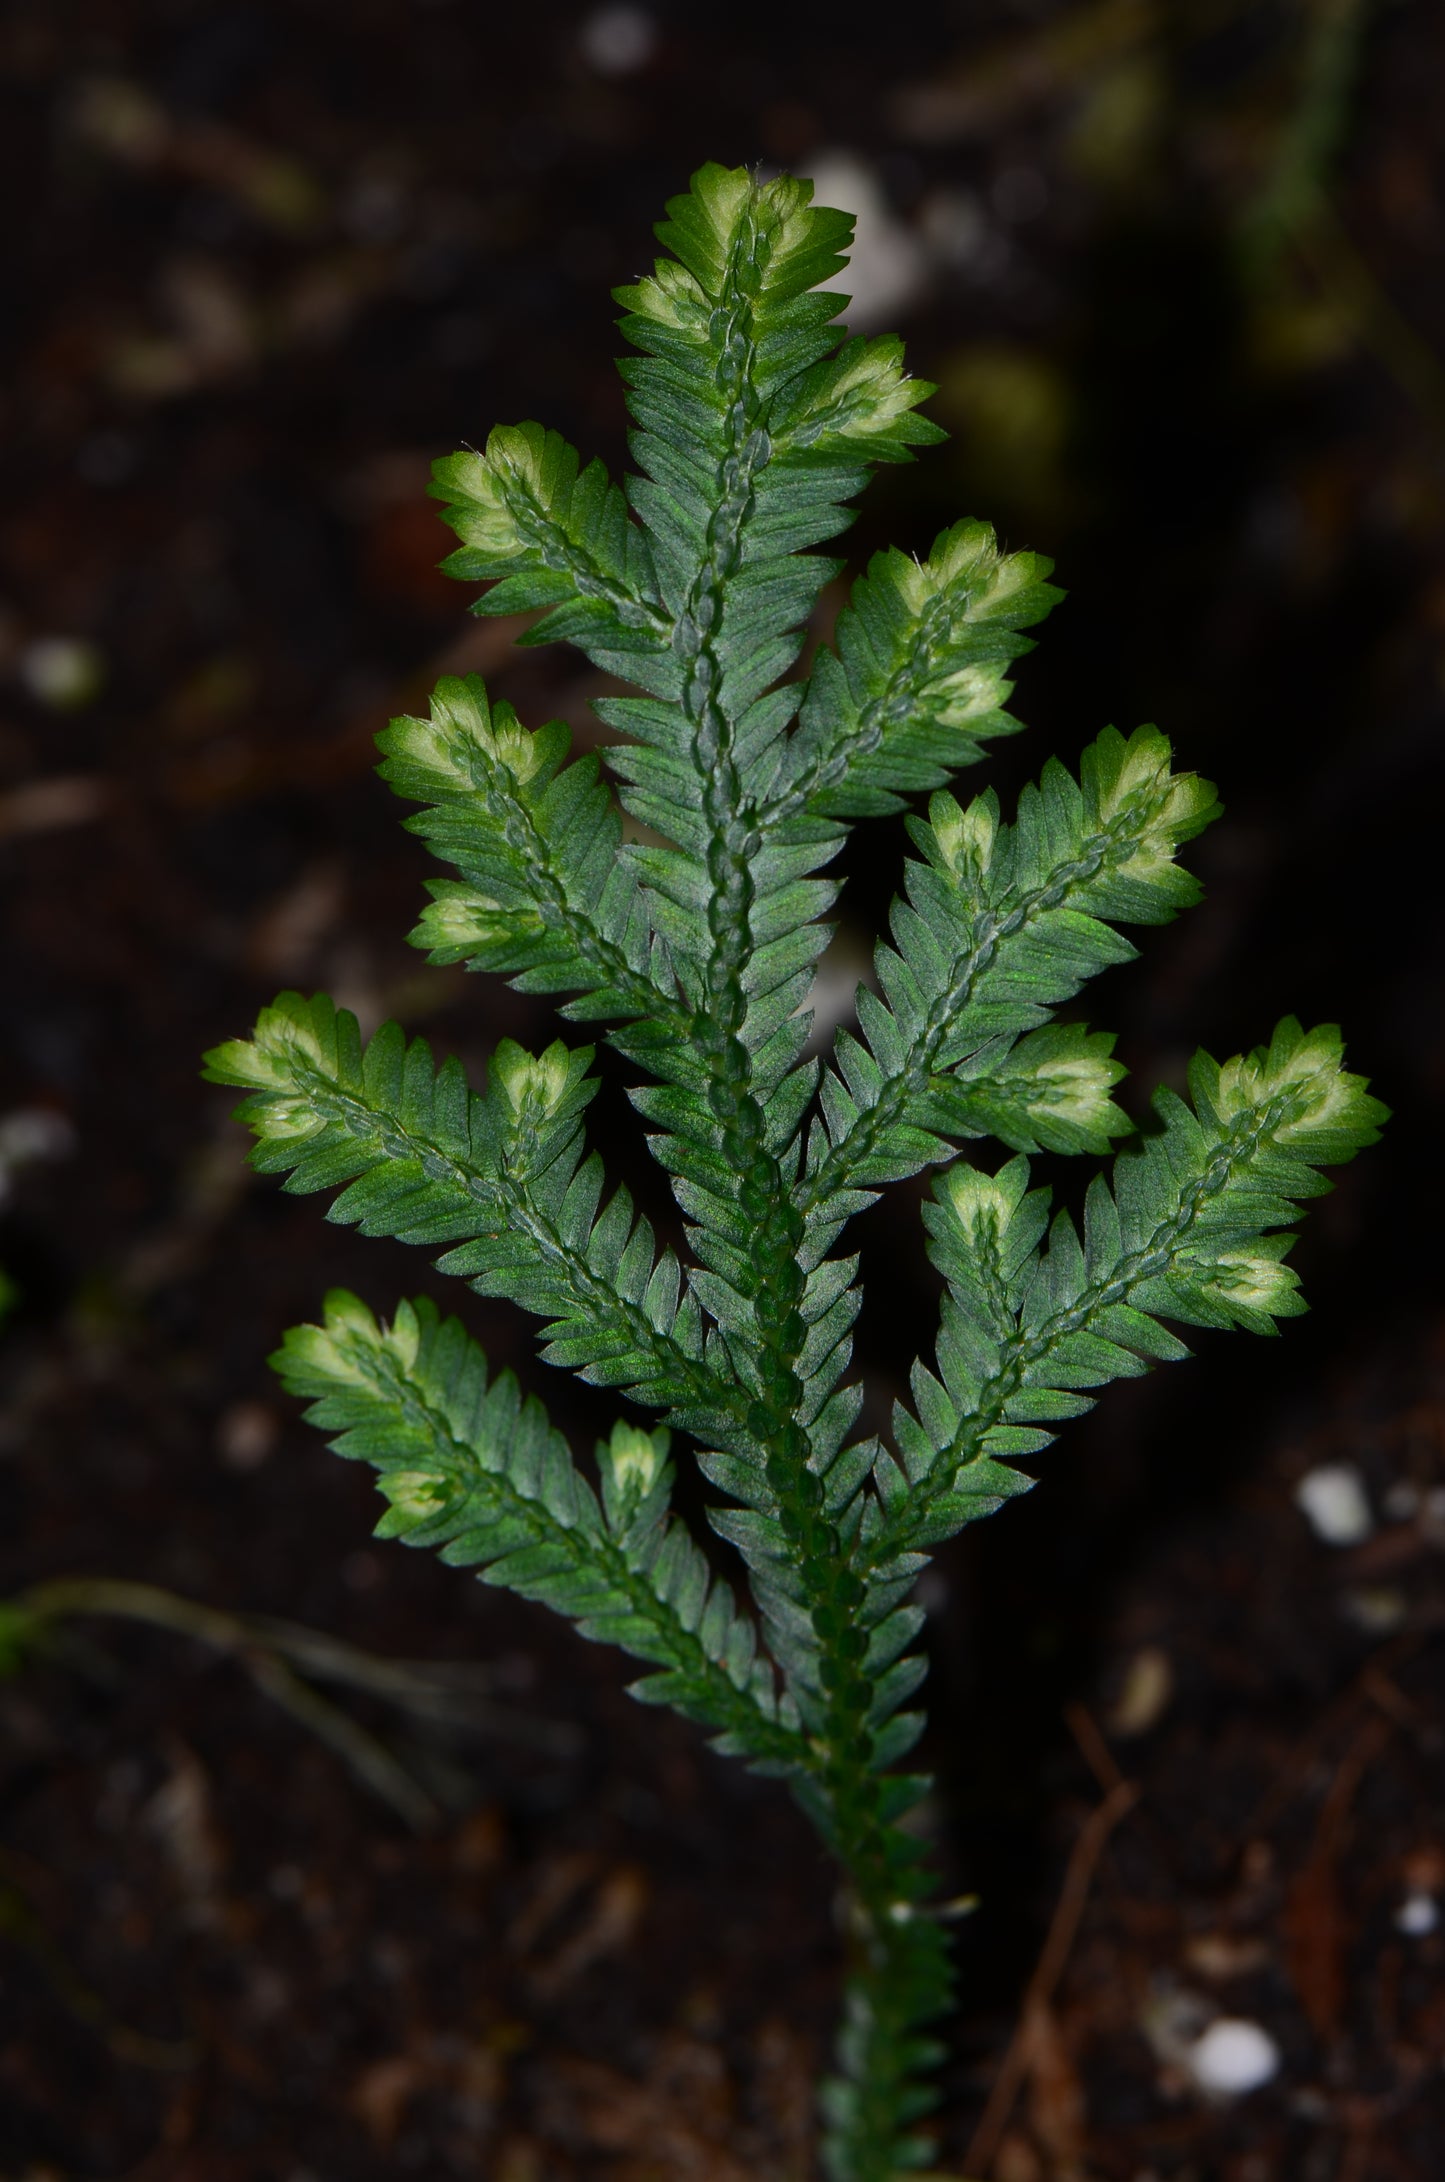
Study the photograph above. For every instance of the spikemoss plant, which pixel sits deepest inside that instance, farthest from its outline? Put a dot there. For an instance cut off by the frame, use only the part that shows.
(694, 939)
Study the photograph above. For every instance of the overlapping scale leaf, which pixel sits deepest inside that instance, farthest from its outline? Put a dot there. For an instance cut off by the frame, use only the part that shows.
(471, 1469)
(1035, 1321)
(752, 438)
(1000, 925)
(917, 680)
(723, 328)
(543, 531)
(544, 896)
(501, 1179)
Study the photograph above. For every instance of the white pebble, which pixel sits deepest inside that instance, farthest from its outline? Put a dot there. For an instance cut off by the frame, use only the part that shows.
(887, 265)
(28, 1134)
(1144, 1698)
(1334, 1503)
(1417, 1916)
(1233, 2057)
(64, 672)
(618, 41)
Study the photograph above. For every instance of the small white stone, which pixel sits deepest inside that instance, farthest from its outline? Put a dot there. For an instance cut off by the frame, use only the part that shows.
(887, 265)
(1333, 1500)
(1144, 1698)
(28, 1134)
(1233, 2057)
(64, 672)
(618, 41)
(1417, 1916)
(34, 1132)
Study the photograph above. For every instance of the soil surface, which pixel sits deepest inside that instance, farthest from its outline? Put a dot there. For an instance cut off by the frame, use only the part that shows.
(274, 1915)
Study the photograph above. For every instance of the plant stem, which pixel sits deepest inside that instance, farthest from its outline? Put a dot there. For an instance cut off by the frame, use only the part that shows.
(899, 1977)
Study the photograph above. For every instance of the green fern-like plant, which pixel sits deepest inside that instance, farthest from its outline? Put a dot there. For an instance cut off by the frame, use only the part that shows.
(694, 939)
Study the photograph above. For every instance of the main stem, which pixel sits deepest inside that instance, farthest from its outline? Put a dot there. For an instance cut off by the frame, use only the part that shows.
(898, 1977)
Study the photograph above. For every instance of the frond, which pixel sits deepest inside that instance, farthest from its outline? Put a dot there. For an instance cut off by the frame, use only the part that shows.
(1036, 1318)
(472, 1470)
(917, 683)
(544, 896)
(693, 583)
(1000, 925)
(737, 319)
(502, 1179)
(545, 532)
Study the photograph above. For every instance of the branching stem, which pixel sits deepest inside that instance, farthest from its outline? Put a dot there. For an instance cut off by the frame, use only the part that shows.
(886, 1999)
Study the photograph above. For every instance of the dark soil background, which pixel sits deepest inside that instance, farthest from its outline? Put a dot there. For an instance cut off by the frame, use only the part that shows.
(1176, 268)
